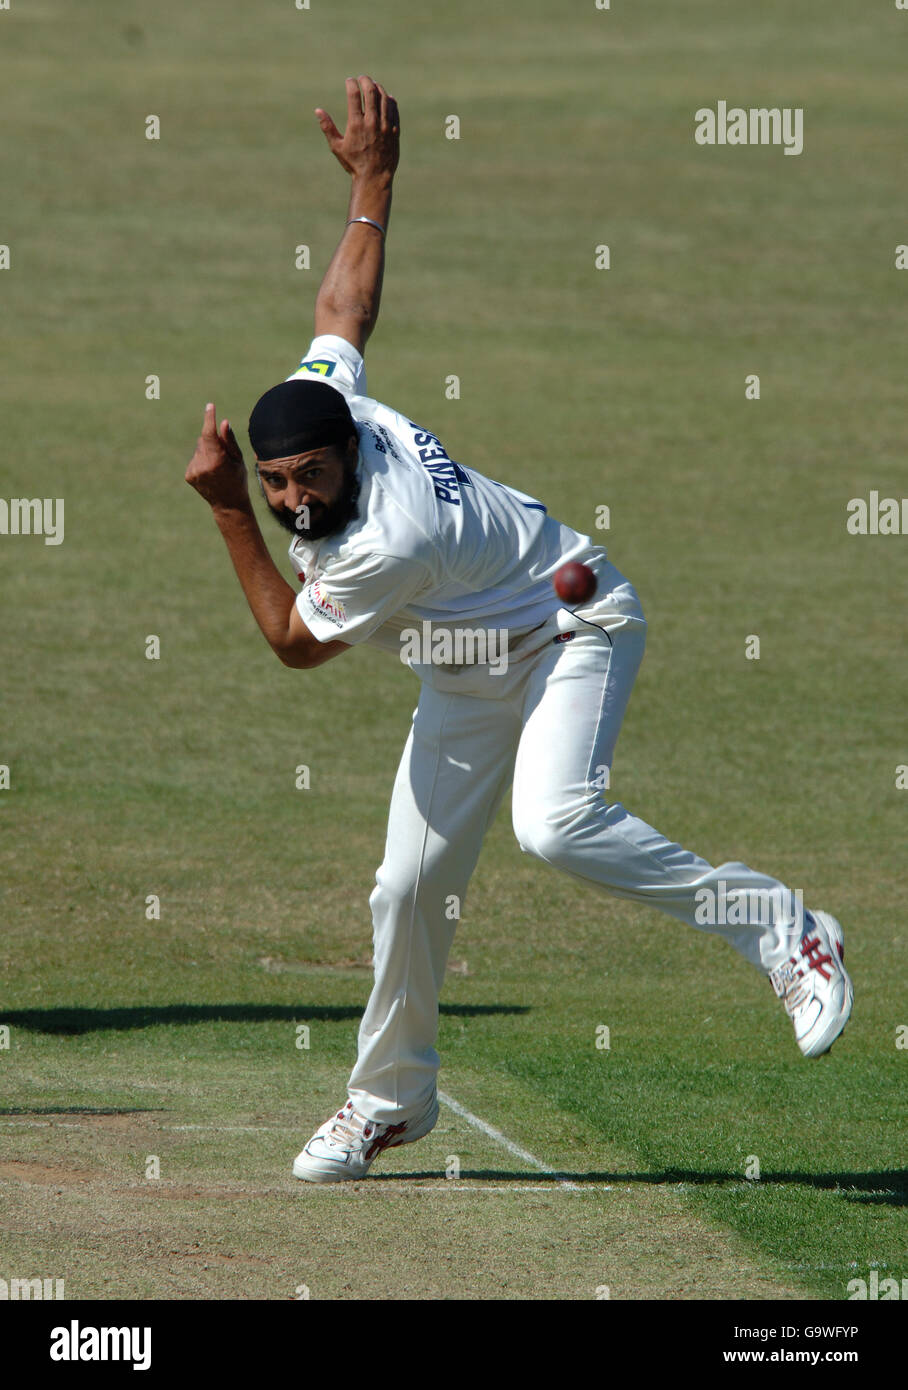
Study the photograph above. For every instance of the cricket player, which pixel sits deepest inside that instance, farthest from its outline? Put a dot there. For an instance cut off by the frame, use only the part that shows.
(397, 544)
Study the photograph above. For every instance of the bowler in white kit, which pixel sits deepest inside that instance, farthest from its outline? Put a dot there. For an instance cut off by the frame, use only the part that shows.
(397, 544)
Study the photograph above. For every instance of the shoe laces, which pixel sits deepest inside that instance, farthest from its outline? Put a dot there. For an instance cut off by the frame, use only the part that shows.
(790, 985)
(350, 1129)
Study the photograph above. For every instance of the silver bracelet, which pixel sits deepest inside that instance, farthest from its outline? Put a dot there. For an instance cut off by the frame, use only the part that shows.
(370, 222)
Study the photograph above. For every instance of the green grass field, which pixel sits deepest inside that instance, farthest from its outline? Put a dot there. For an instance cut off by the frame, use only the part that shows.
(132, 1038)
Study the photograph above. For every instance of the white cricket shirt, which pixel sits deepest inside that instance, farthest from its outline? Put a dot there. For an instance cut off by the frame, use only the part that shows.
(432, 540)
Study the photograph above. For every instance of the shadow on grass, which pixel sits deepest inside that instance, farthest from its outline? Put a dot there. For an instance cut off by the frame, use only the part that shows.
(78, 1020)
(886, 1187)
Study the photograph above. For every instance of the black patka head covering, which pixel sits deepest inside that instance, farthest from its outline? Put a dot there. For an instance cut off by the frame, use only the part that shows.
(297, 416)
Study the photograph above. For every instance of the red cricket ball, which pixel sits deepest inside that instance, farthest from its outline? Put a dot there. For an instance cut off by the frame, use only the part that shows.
(574, 583)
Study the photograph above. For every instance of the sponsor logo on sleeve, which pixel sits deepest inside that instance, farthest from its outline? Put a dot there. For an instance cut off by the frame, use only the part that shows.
(326, 604)
(322, 366)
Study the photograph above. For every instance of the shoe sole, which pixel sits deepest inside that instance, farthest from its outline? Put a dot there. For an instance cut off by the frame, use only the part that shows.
(834, 1031)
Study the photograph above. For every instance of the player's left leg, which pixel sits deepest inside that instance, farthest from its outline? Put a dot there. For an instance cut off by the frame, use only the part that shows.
(454, 772)
(575, 700)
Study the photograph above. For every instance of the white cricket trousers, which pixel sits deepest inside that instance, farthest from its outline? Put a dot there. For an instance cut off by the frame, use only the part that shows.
(550, 725)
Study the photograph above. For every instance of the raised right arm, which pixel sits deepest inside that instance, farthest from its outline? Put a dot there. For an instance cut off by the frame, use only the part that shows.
(369, 149)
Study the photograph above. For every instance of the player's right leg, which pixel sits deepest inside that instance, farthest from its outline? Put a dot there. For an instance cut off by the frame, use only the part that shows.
(575, 701)
(455, 769)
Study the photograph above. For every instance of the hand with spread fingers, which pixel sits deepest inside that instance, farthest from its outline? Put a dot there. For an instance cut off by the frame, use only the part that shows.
(370, 145)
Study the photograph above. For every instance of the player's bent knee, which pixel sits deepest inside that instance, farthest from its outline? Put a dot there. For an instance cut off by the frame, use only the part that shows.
(544, 839)
(555, 836)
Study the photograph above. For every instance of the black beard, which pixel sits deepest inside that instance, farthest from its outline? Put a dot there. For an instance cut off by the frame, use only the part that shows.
(325, 520)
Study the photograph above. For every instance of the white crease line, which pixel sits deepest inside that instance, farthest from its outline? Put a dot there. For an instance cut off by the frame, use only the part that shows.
(474, 1120)
(235, 1129)
(455, 1185)
(404, 1187)
(42, 1124)
(502, 1139)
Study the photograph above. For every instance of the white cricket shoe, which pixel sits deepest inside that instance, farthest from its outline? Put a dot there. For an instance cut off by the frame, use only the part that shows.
(345, 1146)
(814, 985)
